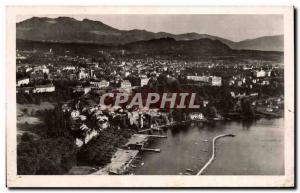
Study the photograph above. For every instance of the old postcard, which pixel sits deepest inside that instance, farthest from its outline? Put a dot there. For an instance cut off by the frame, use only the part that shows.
(150, 96)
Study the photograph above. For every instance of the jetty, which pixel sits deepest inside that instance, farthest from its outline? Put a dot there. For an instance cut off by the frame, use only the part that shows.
(122, 159)
(138, 141)
(149, 149)
(213, 152)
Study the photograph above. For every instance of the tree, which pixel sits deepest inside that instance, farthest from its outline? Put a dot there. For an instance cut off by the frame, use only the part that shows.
(247, 109)
(45, 156)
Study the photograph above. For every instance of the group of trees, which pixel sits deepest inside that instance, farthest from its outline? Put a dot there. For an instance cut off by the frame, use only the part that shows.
(99, 150)
(53, 152)
(50, 156)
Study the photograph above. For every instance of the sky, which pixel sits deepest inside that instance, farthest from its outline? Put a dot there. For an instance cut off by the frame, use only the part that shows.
(232, 27)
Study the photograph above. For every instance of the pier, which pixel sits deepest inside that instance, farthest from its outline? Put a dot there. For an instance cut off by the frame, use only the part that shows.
(123, 158)
(148, 149)
(213, 152)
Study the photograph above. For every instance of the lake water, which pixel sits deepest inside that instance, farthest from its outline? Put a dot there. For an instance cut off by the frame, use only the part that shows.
(257, 149)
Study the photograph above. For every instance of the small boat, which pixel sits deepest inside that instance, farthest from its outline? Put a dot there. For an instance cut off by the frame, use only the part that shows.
(189, 170)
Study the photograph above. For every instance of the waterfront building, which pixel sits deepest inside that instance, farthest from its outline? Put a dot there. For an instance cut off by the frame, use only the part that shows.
(22, 81)
(44, 88)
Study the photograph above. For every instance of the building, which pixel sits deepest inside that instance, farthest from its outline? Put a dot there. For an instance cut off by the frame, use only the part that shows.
(28, 69)
(125, 84)
(22, 81)
(82, 89)
(26, 90)
(239, 83)
(83, 75)
(44, 88)
(72, 76)
(127, 73)
(198, 78)
(215, 81)
(45, 70)
(37, 76)
(69, 68)
(259, 73)
(100, 84)
(196, 116)
(144, 80)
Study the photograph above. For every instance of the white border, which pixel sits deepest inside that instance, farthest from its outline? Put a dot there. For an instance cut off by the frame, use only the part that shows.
(14, 180)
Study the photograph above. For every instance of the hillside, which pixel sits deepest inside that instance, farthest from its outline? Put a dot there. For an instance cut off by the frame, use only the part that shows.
(66, 29)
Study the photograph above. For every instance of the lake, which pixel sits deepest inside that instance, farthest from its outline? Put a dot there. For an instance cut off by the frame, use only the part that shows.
(257, 149)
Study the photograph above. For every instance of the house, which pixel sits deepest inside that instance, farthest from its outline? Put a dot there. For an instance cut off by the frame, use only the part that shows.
(80, 88)
(196, 116)
(44, 88)
(127, 73)
(240, 83)
(144, 80)
(28, 69)
(100, 84)
(125, 84)
(72, 76)
(198, 78)
(45, 70)
(265, 82)
(215, 81)
(69, 68)
(37, 76)
(22, 81)
(83, 75)
(75, 113)
(259, 73)
(26, 90)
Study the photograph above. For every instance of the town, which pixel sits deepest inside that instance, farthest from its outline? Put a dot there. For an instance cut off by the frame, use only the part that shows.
(62, 89)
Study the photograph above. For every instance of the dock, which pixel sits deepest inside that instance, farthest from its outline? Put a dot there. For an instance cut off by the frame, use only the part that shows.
(148, 149)
(119, 164)
(138, 141)
(122, 159)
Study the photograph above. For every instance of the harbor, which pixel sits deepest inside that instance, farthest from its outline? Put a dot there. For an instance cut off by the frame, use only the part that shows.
(121, 162)
(187, 150)
(195, 150)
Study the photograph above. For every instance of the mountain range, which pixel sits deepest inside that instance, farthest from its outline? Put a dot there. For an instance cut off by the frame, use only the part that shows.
(67, 30)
